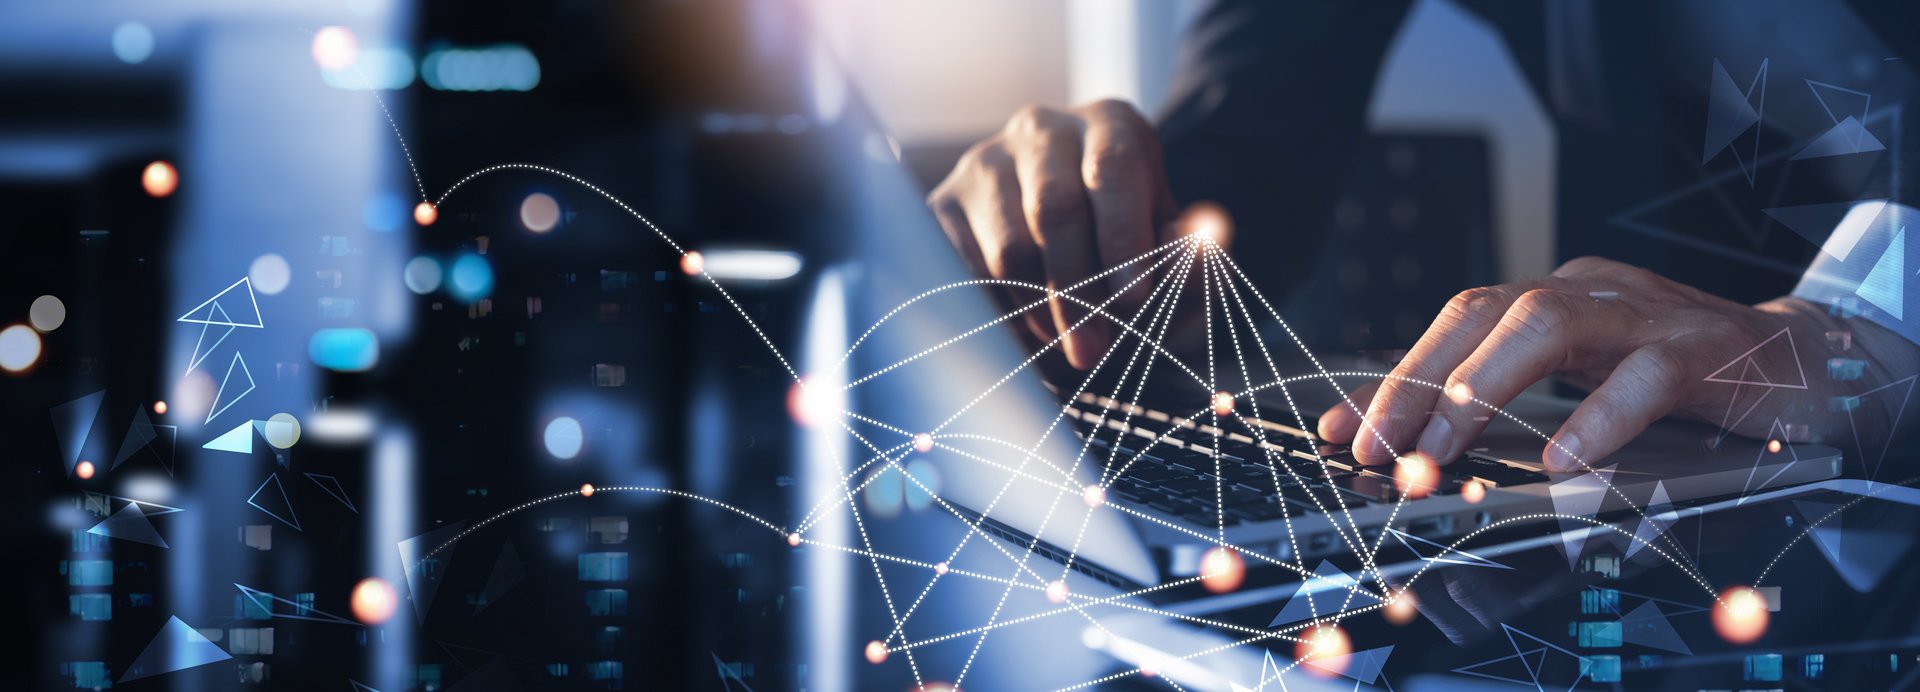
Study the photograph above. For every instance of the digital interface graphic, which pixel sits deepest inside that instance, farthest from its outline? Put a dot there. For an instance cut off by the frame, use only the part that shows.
(377, 345)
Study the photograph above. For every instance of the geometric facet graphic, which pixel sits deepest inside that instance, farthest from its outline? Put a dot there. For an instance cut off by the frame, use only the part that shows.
(1862, 557)
(1647, 626)
(332, 486)
(1732, 111)
(1363, 666)
(176, 647)
(158, 440)
(238, 440)
(1834, 226)
(1848, 137)
(1650, 526)
(221, 309)
(1328, 592)
(1731, 372)
(1785, 459)
(72, 421)
(1534, 663)
(1886, 284)
(423, 576)
(1579, 496)
(264, 602)
(274, 503)
(1437, 553)
(129, 524)
(202, 349)
(218, 408)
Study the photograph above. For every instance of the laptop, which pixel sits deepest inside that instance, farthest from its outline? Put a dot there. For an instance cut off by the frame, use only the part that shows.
(1131, 486)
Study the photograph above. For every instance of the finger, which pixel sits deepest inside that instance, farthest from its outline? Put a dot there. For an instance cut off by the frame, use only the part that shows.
(952, 216)
(1116, 168)
(1341, 421)
(1647, 385)
(1059, 218)
(1545, 331)
(1398, 413)
(1000, 229)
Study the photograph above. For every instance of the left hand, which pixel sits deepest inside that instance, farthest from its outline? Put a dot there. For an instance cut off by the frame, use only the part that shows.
(1642, 343)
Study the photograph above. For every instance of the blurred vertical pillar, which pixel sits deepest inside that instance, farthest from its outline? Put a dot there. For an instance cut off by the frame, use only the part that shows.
(823, 457)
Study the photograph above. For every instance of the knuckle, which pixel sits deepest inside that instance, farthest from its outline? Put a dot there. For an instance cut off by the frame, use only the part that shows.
(1115, 110)
(1661, 368)
(1115, 165)
(1008, 260)
(1029, 119)
(1472, 305)
(1539, 314)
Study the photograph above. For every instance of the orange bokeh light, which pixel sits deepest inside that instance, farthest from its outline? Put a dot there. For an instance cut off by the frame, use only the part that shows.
(1094, 495)
(922, 442)
(425, 213)
(876, 652)
(84, 470)
(1222, 404)
(1321, 649)
(159, 179)
(1415, 476)
(335, 48)
(160, 408)
(586, 490)
(1401, 609)
(1741, 615)
(1473, 492)
(1222, 569)
(373, 601)
(692, 263)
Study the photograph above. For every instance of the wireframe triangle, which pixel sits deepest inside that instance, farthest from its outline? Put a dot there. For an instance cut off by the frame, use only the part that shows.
(1650, 529)
(1799, 381)
(238, 440)
(129, 524)
(72, 422)
(331, 486)
(1436, 552)
(204, 313)
(238, 363)
(1848, 137)
(277, 505)
(1646, 626)
(1729, 113)
(1507, 668)
(177, 647)
(1886, 284)
(1834, 226)
(293, 611)
(1579, 496)
(423, 572)
(200, 347)
(1785, 458)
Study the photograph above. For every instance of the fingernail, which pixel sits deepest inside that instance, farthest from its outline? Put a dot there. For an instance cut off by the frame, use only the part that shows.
(1563, 454)
(1370, 441)
(1435, 440)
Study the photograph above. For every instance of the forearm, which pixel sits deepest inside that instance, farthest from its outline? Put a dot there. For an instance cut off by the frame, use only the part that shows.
(1836, 410)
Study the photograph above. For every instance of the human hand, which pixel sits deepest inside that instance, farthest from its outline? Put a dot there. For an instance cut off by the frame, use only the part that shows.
(1057, 197)
(1641, 343)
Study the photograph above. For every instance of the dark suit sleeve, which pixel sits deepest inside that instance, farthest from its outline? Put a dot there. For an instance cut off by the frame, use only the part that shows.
(1269, 101)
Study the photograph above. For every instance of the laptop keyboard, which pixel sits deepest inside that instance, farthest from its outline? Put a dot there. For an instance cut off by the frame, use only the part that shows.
(1179, 467)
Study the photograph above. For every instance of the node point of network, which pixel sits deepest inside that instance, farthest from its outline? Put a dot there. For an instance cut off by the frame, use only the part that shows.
(586, 490)
(922, 442)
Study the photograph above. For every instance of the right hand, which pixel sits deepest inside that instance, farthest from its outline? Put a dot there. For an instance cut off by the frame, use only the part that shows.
(1055, 198)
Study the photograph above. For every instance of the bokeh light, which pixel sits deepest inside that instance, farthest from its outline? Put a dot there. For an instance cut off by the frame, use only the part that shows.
(160, 408)
(282, 430)
(19, 348)
(425, 213)
(691, 263)
(335, 48)
(1323, 645)
(1094, 495)
(922, 442)
(876, 652)
(159, 179)
(1415, 476)
(193, 395)
(1222, 569)
(385, 212)
(928, 476)
(422, 275)
(1773, 446)
(1473, 491)
(940, 568)
(373, 601)
(84, 470)
(1222, 404)
(1741, 615)
(270, 274)
(811, 406)
(471, 278)
(132, 43)
(586, 490)
(1402, 608)
(47, 313)
(564, 437)
(539, 212)
(1057, 591)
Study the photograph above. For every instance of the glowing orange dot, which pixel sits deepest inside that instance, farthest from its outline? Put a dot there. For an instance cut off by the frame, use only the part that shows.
(876, 652)
(373, 601)
(936, 687)
(1473, 492)
(691, 263)
(1208, 222)
(159, 408)
(425, 213)
(793, 539)
(159, 179)
(1094, 495)
(1773, 446)
(1322, 649)
(335, 48)
(940, 568)
(811, 406)
(1460, 393)
(1057, 591)
(1222, 570)
(1222, 404)
(1415, 476)
(84, 470)
(1402, 609)
(1741, 615)
(586, 490)
(922, 442)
